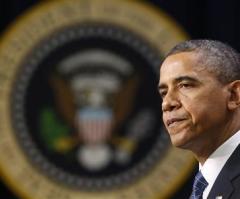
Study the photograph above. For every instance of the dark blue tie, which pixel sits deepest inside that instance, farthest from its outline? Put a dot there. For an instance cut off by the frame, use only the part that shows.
(198, 186)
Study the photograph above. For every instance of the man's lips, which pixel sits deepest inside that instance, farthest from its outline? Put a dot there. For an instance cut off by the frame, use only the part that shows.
(173, 121)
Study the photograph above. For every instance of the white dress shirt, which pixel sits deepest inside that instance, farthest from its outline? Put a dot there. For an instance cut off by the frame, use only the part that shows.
(214, 164)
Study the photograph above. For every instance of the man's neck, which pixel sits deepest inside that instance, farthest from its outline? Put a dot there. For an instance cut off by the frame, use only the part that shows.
(203, 155)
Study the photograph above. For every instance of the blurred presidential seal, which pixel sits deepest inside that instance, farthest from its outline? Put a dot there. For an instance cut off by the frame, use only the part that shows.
(79, 109)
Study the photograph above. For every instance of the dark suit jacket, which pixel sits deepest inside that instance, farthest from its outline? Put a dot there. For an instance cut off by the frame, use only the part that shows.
(227, 183)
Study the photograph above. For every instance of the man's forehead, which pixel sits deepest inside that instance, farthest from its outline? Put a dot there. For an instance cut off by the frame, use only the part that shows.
(180, 65)
(191, 56)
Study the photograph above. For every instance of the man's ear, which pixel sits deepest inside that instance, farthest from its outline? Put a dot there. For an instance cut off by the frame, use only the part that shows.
(234, 95)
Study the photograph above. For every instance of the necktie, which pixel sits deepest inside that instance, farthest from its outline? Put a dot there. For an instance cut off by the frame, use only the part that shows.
(198, 186)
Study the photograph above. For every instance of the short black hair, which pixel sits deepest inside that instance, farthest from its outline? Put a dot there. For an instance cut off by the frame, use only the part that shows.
(219, 58)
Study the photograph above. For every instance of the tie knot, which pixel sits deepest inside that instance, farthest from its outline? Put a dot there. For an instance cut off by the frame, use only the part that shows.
(198, 186)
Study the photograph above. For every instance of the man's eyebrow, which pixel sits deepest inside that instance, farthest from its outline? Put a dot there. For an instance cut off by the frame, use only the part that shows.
(162, 86)
(186, 78)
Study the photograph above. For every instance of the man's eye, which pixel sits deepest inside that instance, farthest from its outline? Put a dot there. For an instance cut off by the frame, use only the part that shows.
(185, 85)
(163, 93)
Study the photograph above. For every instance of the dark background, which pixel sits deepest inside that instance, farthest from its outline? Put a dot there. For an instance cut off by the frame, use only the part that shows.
(211, 19)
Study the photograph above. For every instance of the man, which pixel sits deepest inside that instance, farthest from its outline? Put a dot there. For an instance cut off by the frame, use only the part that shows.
(200, 89)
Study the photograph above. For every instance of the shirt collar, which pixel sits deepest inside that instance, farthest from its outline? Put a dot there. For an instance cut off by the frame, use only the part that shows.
(215, 162)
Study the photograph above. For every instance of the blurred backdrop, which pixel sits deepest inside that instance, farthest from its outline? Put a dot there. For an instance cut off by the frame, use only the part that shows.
(211, 19)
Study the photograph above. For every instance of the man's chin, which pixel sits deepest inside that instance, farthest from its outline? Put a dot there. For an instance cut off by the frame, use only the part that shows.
(180, 143)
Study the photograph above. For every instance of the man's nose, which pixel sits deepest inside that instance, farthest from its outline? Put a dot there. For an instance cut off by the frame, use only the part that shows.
(170, 102)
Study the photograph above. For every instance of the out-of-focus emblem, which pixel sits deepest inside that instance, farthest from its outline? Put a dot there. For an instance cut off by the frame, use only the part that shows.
(79, 108)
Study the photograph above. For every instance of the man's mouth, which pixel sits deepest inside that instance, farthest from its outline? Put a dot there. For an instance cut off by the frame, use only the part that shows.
(173, 121)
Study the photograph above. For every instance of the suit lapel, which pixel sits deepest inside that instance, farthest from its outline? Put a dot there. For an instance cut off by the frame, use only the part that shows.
(223, 184)
(222, 187)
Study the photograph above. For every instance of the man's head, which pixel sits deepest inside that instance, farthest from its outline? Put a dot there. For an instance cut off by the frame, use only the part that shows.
(200, 87)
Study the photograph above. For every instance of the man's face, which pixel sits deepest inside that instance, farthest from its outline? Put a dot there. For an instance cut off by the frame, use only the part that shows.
(194, 101)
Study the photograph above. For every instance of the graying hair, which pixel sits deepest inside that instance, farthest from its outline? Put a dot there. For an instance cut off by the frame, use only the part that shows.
(218, 58)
